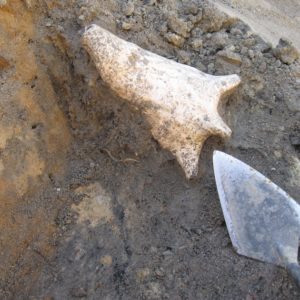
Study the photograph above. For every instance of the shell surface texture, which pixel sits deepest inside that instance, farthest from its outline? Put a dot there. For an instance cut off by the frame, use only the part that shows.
(179, 102)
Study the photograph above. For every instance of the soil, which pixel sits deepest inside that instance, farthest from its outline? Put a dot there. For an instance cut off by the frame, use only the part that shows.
(81, 221)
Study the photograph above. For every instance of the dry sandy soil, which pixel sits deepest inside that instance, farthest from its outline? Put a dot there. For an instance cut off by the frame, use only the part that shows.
(78, 220)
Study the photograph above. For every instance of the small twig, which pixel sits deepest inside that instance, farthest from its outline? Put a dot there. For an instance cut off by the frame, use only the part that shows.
(119, 160)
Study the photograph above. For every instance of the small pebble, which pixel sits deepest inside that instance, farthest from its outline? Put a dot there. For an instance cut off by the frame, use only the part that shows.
(179, 26)
(175, 39)
(81, 17)
(286, 52)
(230, 57)
(126, 26)
(106, 260)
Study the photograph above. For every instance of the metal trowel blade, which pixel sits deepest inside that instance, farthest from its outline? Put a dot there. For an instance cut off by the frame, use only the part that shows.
(262, 220)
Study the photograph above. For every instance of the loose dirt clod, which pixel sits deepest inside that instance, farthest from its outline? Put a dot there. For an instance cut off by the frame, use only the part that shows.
(286, 52)
(179, 102)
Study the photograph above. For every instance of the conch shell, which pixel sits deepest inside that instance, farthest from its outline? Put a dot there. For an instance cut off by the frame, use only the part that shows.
(179, 102)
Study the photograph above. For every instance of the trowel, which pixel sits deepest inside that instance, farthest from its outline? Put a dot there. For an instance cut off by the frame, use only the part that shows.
(263, 221)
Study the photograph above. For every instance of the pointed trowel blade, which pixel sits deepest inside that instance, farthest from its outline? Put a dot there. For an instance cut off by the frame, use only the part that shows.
(261, 218)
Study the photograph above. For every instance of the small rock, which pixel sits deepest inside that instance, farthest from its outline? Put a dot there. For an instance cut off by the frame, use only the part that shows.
(129, 9)
(230, 57)
(81, 17)
(231, 48)
(179, 25)
(3, 2)
(286, 52)
(278, 154)
(175, 39)
(126, 26)
(197, 44)
(227, 62)
(106, 260)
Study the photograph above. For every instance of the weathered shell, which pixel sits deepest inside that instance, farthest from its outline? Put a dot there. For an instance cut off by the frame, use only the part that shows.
(179, 102)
